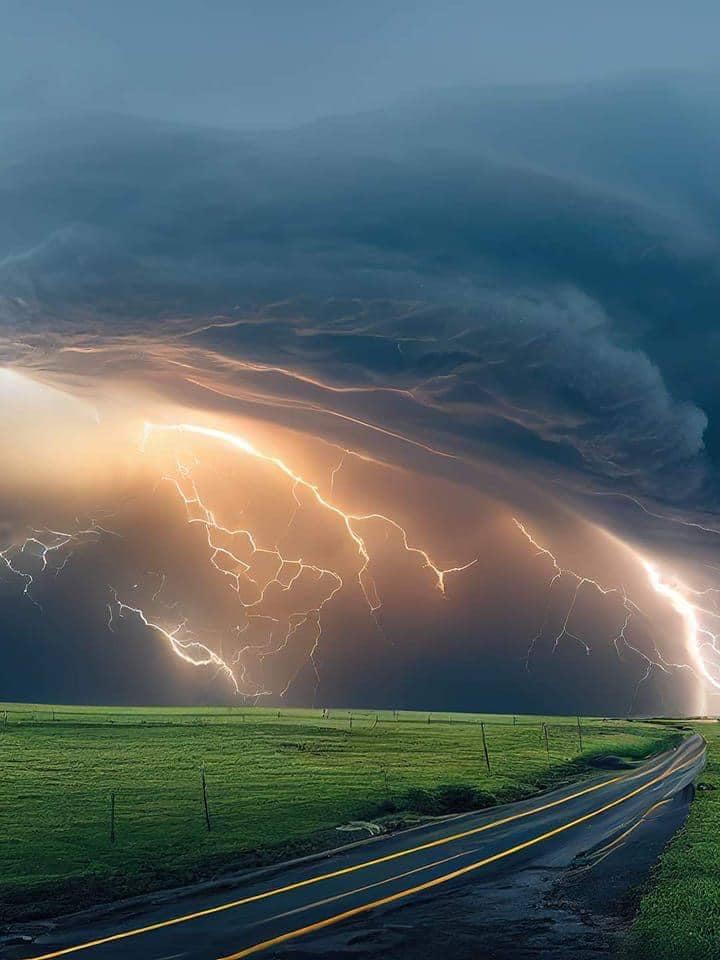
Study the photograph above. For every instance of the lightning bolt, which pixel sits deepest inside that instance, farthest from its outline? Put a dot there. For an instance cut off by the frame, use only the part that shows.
(42, 546)
(629, 607)
(187, 647)
(348, 520)
(232, 552)
(700, 640)
(702, 643)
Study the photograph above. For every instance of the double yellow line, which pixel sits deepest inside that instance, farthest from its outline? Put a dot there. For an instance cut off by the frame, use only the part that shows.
(209, 911)
(454, 874)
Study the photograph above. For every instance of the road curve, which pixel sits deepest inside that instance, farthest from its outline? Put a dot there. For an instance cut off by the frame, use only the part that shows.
(305, 898)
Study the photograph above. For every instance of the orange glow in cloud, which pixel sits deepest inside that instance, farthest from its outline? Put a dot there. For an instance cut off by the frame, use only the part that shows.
(299, 548)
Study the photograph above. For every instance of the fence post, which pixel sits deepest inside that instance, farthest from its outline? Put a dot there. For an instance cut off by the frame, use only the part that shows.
(485, 749)
(205, 799)
(112, 818)
(579, 726)
(547, 742)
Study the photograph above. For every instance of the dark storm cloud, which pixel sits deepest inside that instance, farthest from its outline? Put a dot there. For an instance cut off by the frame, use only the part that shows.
(536, 269)
(544, 263)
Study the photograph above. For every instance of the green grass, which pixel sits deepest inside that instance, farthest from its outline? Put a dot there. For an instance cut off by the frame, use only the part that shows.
(679, 918)
(278, 784)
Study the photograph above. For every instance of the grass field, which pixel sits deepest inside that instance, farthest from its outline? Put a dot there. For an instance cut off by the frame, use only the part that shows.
(279, 783)
(679, 918)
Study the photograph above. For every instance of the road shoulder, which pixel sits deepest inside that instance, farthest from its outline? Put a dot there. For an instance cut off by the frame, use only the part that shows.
(679, 914)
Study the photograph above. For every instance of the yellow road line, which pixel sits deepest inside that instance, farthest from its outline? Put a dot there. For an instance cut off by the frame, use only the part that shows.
(611, 847)
(367, 886)
(465, 853)
(208, 911)
(429, 884)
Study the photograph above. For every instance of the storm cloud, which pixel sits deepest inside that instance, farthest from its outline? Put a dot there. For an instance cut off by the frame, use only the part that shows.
(530, 276)
(525, 242)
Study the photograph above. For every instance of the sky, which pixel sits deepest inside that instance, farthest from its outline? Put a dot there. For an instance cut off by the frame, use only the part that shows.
(269, 62)
(360, 355)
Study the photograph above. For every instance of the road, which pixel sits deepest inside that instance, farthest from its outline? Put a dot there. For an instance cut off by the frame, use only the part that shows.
(309, 898)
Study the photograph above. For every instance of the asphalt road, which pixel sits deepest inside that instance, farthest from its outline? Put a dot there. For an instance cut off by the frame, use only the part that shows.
(297, 901)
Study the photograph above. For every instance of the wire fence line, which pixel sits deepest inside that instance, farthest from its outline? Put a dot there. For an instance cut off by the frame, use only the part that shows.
(234, 714)
(188, 772)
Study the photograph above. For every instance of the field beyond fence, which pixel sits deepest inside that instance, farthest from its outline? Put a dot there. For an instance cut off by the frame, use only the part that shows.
(100, 803)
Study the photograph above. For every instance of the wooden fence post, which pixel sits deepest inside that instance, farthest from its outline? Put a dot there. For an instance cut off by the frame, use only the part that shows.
(579, 726)
(485, 749)
(205, 799)
(112, 818)
(547, 742)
